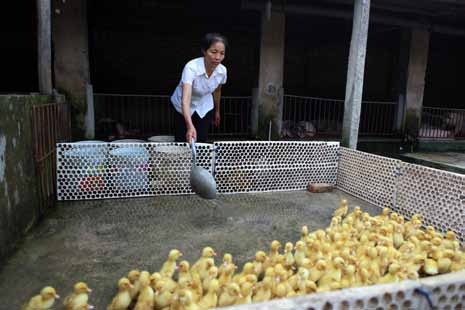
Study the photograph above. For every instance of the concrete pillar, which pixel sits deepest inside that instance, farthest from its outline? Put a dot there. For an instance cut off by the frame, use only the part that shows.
(355, 72)
(403, 65)
(70, 38)
(254, 112)
(90, 114)
(270, 83)
(415, 84)
(44, 46)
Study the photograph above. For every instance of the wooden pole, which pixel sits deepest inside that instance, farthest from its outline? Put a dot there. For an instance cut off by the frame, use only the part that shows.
(44, 46)
(355, 72)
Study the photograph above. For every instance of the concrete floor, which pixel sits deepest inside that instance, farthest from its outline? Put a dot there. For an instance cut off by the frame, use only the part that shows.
(100, 241)
(450, 161)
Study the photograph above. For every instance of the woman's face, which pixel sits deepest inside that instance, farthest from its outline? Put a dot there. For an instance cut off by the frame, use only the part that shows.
(214, 55)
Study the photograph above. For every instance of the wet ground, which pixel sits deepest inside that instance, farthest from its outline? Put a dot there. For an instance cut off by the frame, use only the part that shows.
(450, 161)
(100, 241)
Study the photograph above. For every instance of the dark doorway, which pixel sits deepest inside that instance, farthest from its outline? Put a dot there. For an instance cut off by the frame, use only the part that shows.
(18, 53)
(140, 47)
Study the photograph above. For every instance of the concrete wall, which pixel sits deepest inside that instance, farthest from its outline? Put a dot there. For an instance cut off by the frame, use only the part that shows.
(71, 60)
(18, 186)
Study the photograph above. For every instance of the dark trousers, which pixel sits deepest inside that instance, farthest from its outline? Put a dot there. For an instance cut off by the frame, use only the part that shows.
(202, 126)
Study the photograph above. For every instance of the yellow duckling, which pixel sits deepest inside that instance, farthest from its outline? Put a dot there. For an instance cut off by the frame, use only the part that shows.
(258, 264)
(123, 299)
(353, 216)
(79, 297)
(298, 282)
(458, 261)
(318, 270)
(385, 257)
(371, 259)
(227, 260)
(169, 267)
(211, 275)
(169, 283)
(348, 276)
(449, 240)
(332, 278)
(300, 253)
(415, 262)
(251, 278)
(392, 275)
(263, 292)
(412, 227)
(273, 257)
(230, 295)
(200, 265)
(184, 284)
(362, 278)
(226, 277)
(209, 263)
(289, 260)
(281, 286)
(133, 277)
(162, 297)
(398, 236)
(342, 210)
(430, 267)
(184, 271)
(246, 294)
(310, 287)
(246, 270)
(304, 233)
(384, 216)
(196, 287)
(210, 300)
(445, 261)
(146, 298)
(44, 301)
(186, 300)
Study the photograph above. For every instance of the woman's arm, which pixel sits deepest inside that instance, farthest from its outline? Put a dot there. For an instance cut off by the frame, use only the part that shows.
(186, 112)
(217, 100)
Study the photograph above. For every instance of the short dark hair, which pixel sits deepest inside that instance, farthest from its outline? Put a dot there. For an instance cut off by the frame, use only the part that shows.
(211, 38)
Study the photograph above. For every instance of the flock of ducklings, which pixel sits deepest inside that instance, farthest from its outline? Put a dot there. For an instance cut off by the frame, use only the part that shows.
(355, 250)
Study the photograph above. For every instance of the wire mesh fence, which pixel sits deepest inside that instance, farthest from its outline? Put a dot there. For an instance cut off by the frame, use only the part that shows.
(324, 117)
(442, 123)
(150, 115)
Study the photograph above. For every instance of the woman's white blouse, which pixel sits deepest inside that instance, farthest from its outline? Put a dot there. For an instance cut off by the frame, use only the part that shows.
(202, 87)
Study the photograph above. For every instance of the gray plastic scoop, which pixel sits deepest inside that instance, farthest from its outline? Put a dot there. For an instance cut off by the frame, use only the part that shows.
(202, 182)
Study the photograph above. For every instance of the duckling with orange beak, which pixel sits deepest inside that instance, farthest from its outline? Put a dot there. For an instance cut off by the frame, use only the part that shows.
(169, 267)
(258, 264)
(231, 294)
(44, 301)
(200, 265)
(79, 297)
(123, 299)
(146, 298)
(133, 277)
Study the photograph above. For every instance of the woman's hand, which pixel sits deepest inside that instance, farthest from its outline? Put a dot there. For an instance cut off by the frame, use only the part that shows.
(191, 133)
(217, 119)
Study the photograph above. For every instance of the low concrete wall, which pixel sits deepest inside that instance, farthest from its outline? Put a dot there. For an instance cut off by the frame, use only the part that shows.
(18, 184)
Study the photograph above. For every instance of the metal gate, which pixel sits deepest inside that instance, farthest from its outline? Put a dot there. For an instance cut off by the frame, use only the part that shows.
(50, 125)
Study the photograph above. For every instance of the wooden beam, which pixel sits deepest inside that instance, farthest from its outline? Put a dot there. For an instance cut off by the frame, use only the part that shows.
(376, 18)
(44, 46)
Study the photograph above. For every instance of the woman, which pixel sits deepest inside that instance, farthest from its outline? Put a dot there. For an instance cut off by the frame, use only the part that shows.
(198, 93)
